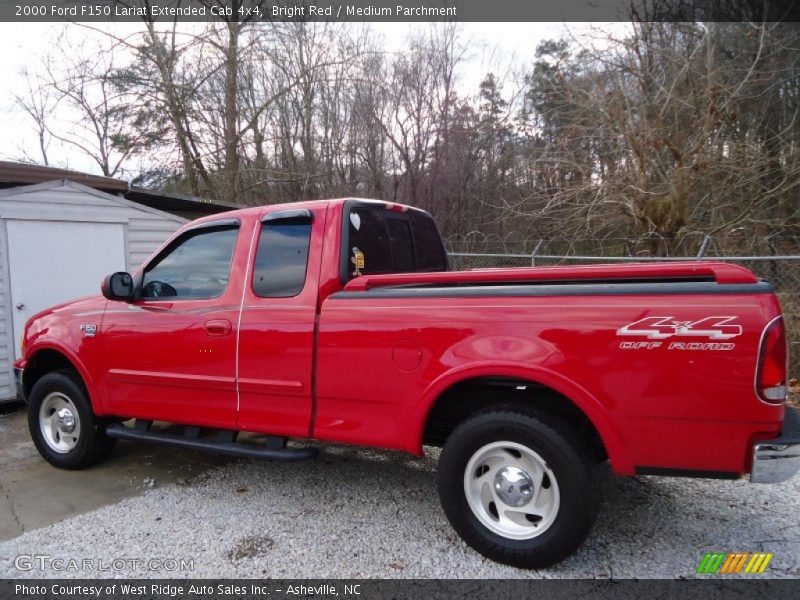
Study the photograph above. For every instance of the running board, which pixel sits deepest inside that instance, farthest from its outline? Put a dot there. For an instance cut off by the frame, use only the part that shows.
(230, 448)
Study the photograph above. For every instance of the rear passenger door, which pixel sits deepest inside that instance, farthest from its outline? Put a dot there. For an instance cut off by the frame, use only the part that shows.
(276, 334)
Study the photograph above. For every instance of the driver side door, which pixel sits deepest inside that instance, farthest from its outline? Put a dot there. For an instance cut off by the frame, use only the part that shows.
(170, 354)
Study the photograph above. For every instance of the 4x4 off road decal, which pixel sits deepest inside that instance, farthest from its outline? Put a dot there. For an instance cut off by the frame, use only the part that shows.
(716, 329)
(661, 328)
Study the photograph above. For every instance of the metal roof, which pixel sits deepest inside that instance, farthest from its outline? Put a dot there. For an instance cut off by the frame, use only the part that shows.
(14, 174)
(172, 202)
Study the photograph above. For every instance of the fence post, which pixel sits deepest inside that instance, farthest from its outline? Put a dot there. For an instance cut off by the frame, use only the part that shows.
(703, 247)
(535, 250)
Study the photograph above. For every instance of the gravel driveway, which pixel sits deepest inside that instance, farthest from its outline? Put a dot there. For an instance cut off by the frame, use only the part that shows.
(363, 513)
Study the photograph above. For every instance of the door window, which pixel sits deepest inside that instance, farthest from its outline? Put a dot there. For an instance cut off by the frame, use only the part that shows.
(281, 259)
(196, 266)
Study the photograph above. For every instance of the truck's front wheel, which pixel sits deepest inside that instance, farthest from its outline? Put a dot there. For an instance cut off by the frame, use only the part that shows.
(63, 426)
(517, 487)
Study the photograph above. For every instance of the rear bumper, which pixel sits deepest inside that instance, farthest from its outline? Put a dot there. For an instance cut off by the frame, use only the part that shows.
(778, 459)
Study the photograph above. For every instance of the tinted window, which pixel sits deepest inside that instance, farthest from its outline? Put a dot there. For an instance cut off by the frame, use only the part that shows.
(400, 244)
(281, 259)
(429, 254)
(196, 266)
(393, 242)
(368, 234)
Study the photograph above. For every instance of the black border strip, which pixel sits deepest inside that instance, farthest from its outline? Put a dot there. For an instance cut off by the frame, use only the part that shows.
(698, 473)
(707, 587)
(548, 289)
(389, 11)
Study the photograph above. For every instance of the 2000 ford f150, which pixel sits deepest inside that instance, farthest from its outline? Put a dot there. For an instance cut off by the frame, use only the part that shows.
(338, 321)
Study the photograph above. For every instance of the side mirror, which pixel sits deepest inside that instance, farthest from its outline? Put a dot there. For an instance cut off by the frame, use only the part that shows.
(118, 286)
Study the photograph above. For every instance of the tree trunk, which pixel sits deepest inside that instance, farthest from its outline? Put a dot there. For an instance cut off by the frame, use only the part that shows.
(230, 191)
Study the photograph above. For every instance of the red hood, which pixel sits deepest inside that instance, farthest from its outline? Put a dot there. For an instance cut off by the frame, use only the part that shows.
(79, 305)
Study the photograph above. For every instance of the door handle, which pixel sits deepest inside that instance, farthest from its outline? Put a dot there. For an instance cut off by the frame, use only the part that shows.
(20, 306)
(218, 327)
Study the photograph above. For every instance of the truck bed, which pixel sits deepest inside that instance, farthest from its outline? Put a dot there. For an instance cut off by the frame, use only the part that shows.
(576, 331)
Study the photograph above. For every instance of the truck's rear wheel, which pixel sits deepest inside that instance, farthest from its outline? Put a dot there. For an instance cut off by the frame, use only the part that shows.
(517, 487)
(63, 426)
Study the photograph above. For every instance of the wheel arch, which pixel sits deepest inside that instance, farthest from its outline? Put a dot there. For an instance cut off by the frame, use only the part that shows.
(537, 377)
(47, 357)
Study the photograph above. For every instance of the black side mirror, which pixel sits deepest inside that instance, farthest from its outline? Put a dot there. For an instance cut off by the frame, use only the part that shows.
(118, 286)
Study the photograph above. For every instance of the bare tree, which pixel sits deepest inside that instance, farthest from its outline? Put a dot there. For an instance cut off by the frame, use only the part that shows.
(38, 102)
(673, 131)
(666, 134)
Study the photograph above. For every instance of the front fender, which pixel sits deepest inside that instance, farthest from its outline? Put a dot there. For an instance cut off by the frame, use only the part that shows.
(91, 385)
(618, 453)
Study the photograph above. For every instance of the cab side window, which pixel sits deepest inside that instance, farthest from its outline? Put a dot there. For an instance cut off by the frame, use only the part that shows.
(282, 259)
(387, 242)
(368, 237)
(195, 267)
(429, 254)
(400, 244)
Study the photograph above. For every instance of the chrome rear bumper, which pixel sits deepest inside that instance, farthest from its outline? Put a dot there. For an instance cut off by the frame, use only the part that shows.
(778, 459)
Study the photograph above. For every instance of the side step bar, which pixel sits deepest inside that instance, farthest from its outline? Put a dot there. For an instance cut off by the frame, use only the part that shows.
(231, 448)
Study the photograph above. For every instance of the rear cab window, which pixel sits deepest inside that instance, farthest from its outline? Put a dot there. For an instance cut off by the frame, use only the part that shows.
(378, 240)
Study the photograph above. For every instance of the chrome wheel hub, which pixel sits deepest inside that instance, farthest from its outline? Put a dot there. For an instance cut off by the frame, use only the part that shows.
(511, 490)
(65, 420)
(513, 486)
(59, 422)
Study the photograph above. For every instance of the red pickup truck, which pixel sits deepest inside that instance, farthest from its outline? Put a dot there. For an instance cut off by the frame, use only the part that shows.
(338, 321)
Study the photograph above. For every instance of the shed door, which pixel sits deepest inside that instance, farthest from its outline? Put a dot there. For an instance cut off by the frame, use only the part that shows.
(51, 262)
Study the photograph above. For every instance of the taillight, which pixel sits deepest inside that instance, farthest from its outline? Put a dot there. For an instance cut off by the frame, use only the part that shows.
(771, 369)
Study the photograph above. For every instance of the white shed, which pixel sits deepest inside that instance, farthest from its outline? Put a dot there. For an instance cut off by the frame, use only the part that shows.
(57, 241)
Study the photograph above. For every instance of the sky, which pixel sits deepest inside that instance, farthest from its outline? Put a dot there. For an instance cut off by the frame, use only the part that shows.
(490, 47)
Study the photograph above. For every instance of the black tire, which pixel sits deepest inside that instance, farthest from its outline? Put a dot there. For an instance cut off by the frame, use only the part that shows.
(92, 446)
(555, 442)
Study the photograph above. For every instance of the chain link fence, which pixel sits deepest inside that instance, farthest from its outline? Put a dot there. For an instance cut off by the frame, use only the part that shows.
(476, 251)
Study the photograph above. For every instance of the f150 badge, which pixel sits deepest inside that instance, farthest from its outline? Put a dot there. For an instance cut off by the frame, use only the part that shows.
(716, 328)
(89, 330)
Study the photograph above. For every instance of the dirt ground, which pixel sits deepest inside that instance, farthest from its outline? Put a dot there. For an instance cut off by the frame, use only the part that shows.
(34, 494)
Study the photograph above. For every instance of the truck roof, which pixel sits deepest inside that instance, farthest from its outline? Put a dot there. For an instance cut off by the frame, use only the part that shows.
(309, 204)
